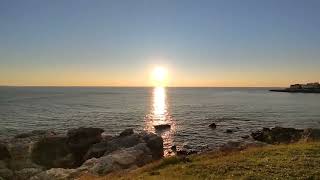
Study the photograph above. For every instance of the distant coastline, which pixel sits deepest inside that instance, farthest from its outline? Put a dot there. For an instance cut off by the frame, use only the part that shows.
(301, 88)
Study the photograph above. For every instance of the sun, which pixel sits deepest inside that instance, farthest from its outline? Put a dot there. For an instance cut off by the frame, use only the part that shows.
(159, 76)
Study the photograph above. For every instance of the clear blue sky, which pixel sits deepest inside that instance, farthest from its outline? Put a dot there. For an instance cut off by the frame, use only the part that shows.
(117, 43)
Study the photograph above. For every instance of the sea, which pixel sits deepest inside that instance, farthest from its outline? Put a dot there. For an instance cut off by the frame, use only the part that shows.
(189, 111)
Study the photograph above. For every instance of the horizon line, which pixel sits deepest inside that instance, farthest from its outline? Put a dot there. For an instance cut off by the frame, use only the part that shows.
(88, 86)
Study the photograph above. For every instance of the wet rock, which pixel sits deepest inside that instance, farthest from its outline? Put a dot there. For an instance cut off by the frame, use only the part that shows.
(278, 135)
(4, 153)
(245, 137)
(162, 127)
(174, 148)
(80, 140)
(229, 131)
(213, 126)
(127, 132)
(53, 152)
(186, 152)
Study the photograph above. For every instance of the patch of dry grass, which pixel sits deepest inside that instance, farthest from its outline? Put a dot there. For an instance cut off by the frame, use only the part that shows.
(294, 161)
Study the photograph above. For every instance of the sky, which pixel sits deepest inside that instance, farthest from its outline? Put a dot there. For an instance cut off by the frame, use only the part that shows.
(211, 43)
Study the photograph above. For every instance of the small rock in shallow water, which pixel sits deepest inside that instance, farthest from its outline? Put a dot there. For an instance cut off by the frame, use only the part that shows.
(162, 126)
(174, 148)
(229, 131)
(213, 126)
(245, 137)
(127, 132)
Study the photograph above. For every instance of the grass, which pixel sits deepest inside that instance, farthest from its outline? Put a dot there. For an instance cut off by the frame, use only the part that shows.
(294, 161)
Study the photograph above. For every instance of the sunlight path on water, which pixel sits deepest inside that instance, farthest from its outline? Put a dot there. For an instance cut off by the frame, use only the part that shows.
(159, 114)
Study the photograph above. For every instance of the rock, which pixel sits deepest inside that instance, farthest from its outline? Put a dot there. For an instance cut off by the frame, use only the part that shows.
(162, 127)
(6, 173)
(311, 134)
(213, 126)
(154, 143)
(122, 159)
(96, 150)
(26, 173)
(81, 139)
(245, 137)
(20, 150)
(278, 135)
(4, 153)
(229, 131)
(53, 152)
(127, 132)
(57, 174)
(239, 145)
(174, 148)
(106, 147)
(186, 152)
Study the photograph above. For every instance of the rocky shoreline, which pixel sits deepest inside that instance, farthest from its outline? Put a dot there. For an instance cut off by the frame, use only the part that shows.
(45, 155)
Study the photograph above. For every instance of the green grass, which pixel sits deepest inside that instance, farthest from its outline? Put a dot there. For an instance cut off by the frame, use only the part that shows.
(294, 161)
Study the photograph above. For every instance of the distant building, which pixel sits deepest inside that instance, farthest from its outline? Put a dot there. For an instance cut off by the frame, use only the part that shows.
(315, 85)
(296, 86)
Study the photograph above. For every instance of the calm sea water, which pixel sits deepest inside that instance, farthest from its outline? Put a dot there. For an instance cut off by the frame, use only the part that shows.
(188, 110)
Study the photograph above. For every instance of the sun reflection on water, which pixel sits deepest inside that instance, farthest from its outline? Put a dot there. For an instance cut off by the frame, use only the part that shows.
(159, 114)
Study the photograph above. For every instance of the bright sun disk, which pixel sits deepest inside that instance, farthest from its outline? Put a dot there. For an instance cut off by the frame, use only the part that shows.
(159, 75)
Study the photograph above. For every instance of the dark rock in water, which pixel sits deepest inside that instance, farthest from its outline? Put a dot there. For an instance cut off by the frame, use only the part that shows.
(213, 126)
(127, 132)
(185, 152)
(35, 133)
(174, 148)
(154, 143)
(162, 127)
(311, 134)
(229, 131)
(81, 139)
(4, 153)
(245, 137)
(278, 135)
(53, 152)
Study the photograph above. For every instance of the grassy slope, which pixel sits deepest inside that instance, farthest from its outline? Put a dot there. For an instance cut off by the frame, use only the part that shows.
(301, 160)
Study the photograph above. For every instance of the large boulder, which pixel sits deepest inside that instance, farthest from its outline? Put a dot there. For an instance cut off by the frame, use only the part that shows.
(20, 149)
(154, 143)
(81, 139)
(125, 158)
(53, 152)
(278, 135)
(116, 143)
